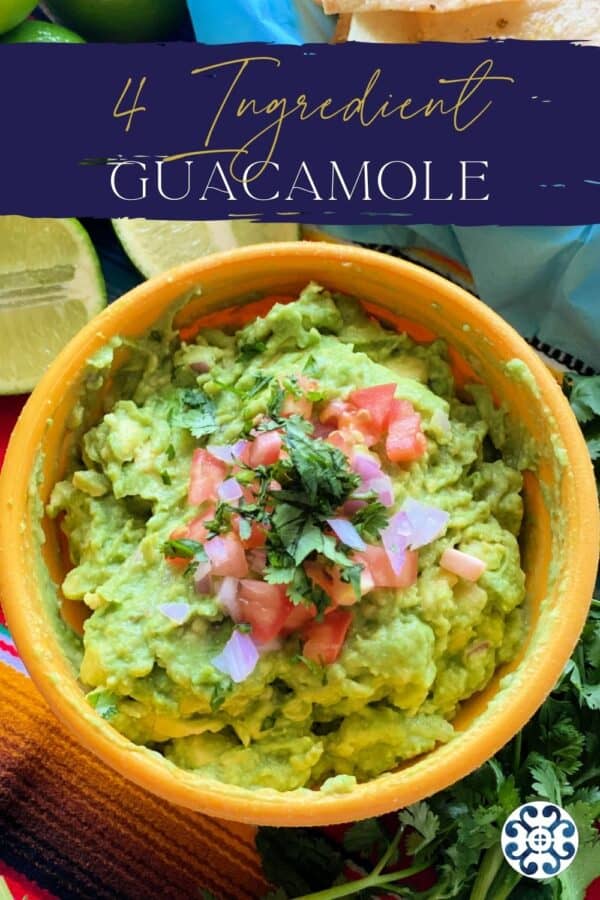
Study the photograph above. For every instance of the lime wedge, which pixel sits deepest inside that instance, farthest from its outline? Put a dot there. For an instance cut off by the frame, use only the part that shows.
(154, 246)
(51, 284)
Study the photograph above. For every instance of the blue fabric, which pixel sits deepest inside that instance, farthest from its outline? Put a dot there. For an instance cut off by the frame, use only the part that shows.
(544, 281)
(278, 21)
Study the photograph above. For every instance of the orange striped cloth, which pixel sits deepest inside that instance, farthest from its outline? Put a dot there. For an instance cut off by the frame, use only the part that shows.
(75, 829)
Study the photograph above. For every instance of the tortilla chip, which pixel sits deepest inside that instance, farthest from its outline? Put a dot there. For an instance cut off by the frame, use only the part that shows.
(574, 20)
(342, 29)
(433, 6)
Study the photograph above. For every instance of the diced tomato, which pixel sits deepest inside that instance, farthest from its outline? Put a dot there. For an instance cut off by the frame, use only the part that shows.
(227, 556)
(355, 425)
(338, 439)
(377, 562)
(331, 413)
(341, 593)
(265, 449)
(194, 531)
(378, 401)
(258, 535)
(324, 640)
(297, 406)
(206, 475)
(265, 607)
(405, 440)
(298, 618)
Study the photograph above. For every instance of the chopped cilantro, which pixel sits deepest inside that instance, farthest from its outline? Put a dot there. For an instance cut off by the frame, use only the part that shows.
(261, 382)
(165, 477)
(371, 520)
(276, 399)
(310, 367)
(170, 452)
(197, 414)
(104, 702)
(184, 548)
(220, 693)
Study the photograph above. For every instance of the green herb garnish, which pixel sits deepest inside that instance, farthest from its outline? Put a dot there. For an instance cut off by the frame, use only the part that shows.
(185, 548)
(197, 413)
(371, 520)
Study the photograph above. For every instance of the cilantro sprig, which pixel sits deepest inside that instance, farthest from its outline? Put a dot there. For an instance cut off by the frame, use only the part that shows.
(313, 481)
(197, 413)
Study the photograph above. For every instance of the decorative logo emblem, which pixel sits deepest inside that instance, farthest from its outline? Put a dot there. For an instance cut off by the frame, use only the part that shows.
(539, 840)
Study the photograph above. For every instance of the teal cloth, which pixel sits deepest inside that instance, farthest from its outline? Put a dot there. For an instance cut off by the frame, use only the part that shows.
(277, 21)
(544, 281)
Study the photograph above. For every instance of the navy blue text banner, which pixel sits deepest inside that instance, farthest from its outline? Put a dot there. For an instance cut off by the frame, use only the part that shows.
(487, 133)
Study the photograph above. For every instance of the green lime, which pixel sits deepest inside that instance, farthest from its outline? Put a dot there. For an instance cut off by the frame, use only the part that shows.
(119, 20)
(51, 284)
(34, 32)
(14, 11)
(154, 246)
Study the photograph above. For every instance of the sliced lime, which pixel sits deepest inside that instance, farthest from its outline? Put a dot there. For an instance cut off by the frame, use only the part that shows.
(51, 284)
(155, 246)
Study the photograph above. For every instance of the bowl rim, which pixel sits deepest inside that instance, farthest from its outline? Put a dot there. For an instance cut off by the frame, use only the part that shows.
(301, 807)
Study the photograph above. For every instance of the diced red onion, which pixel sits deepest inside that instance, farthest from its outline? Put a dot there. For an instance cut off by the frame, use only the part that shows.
(426, 522)
(228, 597)
(200, 367)
(227, 453)
(365, 466)
(216, 549)
(257, 560)
(347, 533)
(238, 658)
(351, 507)
(176, 612)
(384, 489)
(230, 490)
(224, 452)
(395, 539)
(202, 579)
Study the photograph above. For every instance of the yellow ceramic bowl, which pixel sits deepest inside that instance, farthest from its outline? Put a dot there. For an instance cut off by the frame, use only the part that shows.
(560, 536)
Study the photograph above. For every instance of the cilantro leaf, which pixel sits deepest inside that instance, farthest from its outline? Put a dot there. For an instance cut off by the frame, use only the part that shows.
(275, 403)
(371, 520)
(364, 837)
(310, 367)
(423, 821)
(546, 779)
(309, 541)
(184, 548)
(104, 702)
(300, 860)
(260, 383)
(198, 414)
(584, 396)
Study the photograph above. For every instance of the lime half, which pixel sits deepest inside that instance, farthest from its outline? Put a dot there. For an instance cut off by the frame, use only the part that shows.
(51, 284)
(154, 246)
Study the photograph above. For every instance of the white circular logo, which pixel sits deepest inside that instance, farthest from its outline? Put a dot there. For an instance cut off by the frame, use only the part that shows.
(539, 839)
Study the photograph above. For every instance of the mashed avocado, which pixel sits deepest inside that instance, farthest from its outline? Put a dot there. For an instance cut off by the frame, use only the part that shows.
(409, 656)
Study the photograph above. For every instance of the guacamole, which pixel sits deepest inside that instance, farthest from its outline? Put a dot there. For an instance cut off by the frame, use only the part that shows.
(297, 543)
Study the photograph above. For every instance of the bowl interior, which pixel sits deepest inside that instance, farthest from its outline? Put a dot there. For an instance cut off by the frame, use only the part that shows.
(230, 289)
